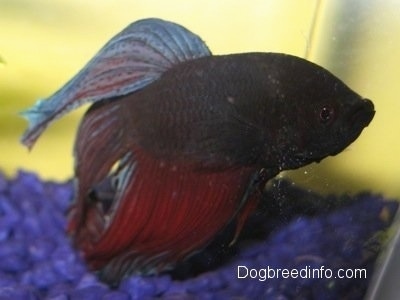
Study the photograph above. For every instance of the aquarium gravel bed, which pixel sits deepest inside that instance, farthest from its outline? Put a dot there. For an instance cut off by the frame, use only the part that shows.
(291, 229)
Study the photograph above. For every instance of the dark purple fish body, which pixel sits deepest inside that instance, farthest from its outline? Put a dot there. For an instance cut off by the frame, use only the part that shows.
(179, 143)
(267, 110)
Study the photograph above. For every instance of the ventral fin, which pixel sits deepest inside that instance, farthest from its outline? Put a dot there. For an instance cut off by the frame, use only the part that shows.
(132, 59)
(251, 197)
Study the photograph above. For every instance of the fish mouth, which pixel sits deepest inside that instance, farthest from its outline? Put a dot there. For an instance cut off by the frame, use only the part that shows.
(359, 117)
(361, 114)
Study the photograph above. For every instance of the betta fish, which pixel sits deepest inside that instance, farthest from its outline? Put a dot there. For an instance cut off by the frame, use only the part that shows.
(178, 143)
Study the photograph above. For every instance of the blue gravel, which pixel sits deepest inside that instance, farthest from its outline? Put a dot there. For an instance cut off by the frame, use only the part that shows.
(291, 229)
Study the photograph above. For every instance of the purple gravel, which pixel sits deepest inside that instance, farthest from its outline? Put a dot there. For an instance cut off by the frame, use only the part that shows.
(38, 262)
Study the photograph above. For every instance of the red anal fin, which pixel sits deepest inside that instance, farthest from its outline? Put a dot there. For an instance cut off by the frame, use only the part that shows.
(99, 145)
(166, 213)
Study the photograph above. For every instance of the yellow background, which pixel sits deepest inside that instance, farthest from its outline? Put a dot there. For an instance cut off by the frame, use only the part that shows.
(43, 43)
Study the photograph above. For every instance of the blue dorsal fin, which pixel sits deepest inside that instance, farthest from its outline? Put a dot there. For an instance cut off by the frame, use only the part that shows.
(132, 59)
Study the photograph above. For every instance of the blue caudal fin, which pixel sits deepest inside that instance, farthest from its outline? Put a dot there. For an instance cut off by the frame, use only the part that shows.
(132, 59)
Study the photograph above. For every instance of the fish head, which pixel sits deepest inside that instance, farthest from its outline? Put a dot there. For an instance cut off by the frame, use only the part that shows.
(316, 114)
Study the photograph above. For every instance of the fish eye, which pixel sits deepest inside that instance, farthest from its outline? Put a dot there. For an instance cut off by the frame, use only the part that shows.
(326, 114)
